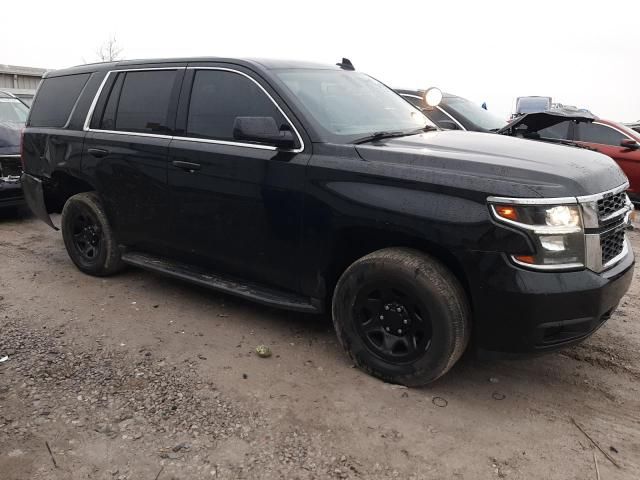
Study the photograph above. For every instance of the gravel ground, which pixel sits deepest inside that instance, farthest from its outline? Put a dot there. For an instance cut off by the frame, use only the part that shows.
(141, 377)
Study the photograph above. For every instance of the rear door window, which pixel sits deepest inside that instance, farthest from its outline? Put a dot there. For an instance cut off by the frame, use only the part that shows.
(596, 133)
(218, 97)
(55, 100)
(143, 102)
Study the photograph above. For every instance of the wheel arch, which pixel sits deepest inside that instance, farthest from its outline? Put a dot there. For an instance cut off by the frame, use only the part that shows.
(356, 242)
(63, 185)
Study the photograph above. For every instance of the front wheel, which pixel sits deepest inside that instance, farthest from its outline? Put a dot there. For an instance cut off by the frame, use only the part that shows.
(401, 316)
(88, 237)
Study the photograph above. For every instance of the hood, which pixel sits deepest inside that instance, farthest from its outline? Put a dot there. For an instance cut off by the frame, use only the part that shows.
(496, 164)
(10, 137)
(534, 122)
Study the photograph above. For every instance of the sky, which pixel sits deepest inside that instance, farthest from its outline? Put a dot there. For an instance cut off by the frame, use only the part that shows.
(583, 53)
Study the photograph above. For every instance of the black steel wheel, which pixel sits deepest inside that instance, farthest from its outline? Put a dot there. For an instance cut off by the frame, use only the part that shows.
(88, 237)
(393, 322)
(87, 233)
(401, 316)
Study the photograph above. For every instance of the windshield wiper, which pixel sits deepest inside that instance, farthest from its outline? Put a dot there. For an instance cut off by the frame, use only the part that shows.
(392, 134)
(379, 136)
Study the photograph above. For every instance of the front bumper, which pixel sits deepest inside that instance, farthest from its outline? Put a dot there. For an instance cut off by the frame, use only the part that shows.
(522, 311)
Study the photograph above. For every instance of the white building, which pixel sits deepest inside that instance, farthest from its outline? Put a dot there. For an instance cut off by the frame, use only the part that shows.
(20, 81)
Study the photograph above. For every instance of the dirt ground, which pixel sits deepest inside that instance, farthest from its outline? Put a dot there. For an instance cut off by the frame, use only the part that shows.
(141, 377)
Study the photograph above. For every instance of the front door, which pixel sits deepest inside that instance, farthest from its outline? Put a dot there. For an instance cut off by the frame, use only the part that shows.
(235, 206)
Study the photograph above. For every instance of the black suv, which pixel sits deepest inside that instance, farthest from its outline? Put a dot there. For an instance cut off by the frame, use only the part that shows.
(315, 188)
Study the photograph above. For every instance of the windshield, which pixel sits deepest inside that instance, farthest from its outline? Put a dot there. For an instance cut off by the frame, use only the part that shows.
(348, 105)
(13, 111)
(473, 113)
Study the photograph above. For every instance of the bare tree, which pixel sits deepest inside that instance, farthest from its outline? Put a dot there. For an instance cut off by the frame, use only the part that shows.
(109, 51)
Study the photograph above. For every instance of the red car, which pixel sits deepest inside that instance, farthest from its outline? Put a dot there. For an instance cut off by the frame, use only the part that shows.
(611, 138)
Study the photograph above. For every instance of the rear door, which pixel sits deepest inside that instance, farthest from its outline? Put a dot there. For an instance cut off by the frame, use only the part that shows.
(606, 139)
(126, 151)
(235, 206)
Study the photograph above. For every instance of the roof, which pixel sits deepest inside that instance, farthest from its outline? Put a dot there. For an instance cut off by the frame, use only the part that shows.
(259, 63)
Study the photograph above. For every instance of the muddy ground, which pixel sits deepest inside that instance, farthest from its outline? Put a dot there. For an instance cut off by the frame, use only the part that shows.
(141, 377)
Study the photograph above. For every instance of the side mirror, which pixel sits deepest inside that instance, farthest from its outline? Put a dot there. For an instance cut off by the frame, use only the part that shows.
(630, 144)
(448, 125)
(262, 130)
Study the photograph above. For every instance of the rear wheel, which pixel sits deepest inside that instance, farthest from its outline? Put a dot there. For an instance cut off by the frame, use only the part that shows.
(402, 316)
(88, 237)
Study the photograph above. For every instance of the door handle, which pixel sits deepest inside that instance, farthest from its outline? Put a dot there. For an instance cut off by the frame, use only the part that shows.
(98, 152)
(189, 166)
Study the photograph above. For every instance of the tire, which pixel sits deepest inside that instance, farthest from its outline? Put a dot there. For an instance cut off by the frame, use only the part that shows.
(401, 316)
(88, 237)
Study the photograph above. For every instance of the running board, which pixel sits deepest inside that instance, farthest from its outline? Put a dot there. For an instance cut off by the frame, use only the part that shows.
(251, 291)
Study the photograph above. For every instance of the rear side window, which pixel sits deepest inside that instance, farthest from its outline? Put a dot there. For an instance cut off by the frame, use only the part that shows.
(55, 100)
(139, 102)
(218, 97)
(595, 133)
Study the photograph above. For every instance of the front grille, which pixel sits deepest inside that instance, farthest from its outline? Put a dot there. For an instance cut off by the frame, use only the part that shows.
(10, 166)
(611, 204)
(612, 244)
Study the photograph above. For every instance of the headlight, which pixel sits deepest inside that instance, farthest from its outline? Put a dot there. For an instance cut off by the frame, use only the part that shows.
(555, 230)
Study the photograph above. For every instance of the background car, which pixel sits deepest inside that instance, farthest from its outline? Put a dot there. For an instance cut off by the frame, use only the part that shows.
(611, 138)
(569, 126)
(13, 115)
(454, 112)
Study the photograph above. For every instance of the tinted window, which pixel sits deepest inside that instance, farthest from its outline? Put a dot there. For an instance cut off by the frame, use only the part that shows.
(558, 132)
(218, 97)
(594, 133)
(144, 101)
(108, 121)
(56, 98)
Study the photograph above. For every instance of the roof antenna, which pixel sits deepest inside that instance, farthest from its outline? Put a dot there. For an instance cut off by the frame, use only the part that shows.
(346, 64)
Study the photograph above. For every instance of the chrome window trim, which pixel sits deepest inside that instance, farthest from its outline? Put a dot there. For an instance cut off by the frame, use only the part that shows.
(10, 155)
(91, 111)
(533, 201)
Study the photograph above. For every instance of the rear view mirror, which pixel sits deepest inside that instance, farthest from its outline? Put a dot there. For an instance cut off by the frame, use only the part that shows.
(630, 144)
(262, 130)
